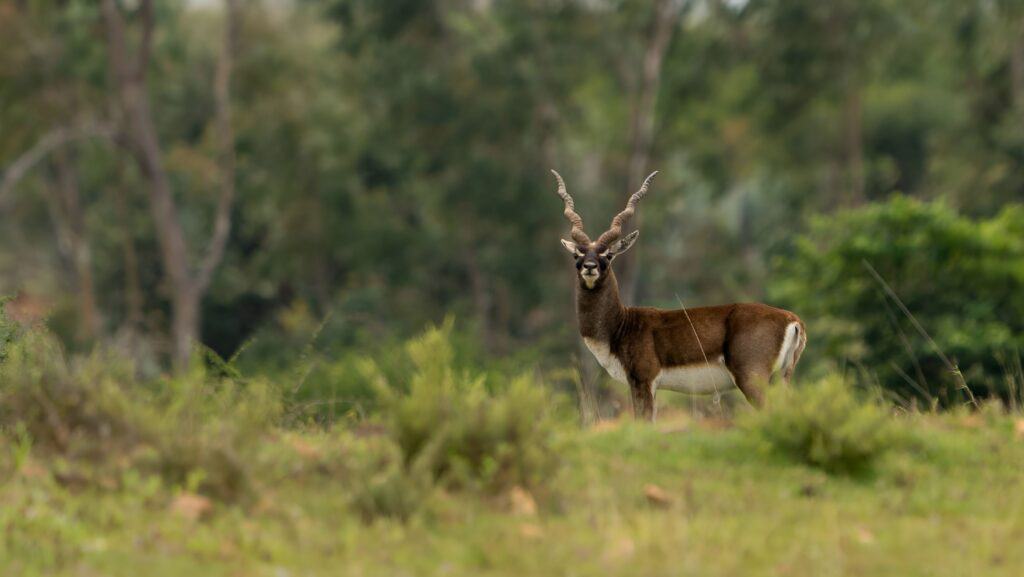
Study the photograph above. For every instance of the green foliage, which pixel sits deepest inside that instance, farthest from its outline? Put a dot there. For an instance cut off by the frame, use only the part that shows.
(420, 419)
(194, 432)
(447, 423)
(825, 425)
(7, 331)
(381, 484)
(330, 383)
(334, 389)
(962, 279)
(390, 156)
(444, 428)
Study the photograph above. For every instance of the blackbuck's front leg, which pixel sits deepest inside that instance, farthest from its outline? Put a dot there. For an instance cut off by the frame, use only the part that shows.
(642, 394)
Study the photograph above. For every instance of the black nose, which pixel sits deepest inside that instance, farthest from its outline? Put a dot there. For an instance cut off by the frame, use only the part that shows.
(590, 265)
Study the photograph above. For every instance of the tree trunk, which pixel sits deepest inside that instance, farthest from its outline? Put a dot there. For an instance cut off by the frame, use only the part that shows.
(133, 299)
(186, 289)
(185, 326)
(667, 14)
(140, 131)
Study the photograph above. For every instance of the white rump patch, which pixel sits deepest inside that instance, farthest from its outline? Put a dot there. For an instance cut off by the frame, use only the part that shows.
(788, 345)
(696, 379)
(603, 354)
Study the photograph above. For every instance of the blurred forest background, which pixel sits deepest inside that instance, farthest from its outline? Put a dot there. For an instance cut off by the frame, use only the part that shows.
(301, 182)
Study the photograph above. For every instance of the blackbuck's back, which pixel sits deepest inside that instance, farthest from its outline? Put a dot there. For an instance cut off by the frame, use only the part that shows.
(745, 333)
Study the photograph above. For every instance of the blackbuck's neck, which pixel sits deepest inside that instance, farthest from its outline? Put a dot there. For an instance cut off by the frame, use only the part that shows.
(599, 311)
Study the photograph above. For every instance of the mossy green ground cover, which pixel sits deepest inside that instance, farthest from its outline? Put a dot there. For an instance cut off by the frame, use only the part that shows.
(678, 498)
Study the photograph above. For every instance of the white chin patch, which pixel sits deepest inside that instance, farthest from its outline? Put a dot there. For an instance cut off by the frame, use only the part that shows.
(590, 281)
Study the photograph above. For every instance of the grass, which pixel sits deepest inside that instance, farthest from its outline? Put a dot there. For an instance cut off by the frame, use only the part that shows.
(717, 506)
(464, 473)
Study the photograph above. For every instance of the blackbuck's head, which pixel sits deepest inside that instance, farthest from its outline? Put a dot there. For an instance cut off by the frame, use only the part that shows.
(594, 258)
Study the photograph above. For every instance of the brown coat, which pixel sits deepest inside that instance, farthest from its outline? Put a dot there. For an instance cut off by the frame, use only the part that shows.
(745, 342)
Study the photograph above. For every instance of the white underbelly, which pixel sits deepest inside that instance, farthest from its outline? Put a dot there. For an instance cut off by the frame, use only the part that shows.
(700, 379)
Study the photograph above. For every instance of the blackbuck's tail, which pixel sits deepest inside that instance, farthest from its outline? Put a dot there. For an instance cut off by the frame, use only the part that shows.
(793, 344)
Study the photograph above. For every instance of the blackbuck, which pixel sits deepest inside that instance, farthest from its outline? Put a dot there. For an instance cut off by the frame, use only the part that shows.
(697, 350)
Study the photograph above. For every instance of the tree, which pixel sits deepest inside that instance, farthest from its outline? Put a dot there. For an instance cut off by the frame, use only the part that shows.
(187, 286)
(665, 20)
(51, 122)
(961, 280)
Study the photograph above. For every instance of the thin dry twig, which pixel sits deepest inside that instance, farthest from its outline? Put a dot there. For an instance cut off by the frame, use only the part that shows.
(913, 384)
(921, 385)
(920, 329)
(718, 394)
(307, 352)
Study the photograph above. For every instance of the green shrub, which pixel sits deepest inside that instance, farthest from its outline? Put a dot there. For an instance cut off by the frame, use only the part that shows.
(447, 423)
(7, 331)
(381, 484)
(962, 279)
(327, 390)
(326, 382)
(208, 433)
(824, 425)
(58, 405)
(194, 432)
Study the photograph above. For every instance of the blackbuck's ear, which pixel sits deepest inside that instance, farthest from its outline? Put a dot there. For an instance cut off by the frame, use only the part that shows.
(622, 245)
(570, 246)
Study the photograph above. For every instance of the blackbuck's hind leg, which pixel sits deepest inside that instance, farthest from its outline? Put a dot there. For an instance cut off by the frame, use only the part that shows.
(752, 383)
(642, 394)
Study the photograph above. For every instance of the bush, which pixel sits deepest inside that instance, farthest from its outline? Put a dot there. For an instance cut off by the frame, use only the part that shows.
(332, 390)
(194, 432)
(824, 425)
(7, 331)
(381, 484)
(447, 423)
(325, 382)
(962, 279)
